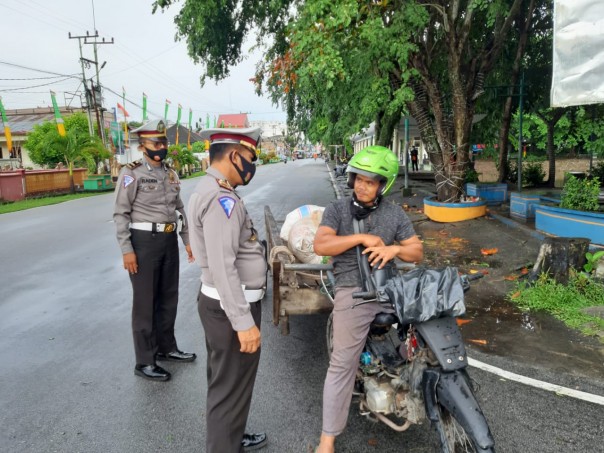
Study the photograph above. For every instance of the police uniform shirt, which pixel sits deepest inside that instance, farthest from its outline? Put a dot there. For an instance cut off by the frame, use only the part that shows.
(146, 193)
(225, 245)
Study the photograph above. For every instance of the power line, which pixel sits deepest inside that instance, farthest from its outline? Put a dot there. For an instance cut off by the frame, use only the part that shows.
(35, 86)
(39, 70)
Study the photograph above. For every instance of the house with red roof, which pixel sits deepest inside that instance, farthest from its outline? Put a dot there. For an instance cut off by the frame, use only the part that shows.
(238, 120)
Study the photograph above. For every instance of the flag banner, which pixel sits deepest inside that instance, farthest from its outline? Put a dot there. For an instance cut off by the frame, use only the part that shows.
(578, 60)
(7, 134)
(123, 109)
(166, 110)
(189, 136)
(58, 118)
(207, 120)
(144, 107)
(178, 121)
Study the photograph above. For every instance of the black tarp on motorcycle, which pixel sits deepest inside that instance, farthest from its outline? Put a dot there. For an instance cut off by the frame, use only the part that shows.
(424, 294)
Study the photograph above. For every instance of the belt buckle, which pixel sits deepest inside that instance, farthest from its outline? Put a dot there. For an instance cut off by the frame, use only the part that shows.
(169, 228)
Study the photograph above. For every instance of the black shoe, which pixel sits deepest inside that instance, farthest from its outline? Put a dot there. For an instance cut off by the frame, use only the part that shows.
(251, 442)
(176, 356)
(152, 372)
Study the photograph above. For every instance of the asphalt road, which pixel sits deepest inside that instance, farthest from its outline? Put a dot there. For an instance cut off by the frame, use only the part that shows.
(67, 382)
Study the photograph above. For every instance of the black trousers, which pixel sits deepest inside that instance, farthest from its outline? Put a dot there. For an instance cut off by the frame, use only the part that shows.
(231, 377)
(155, 294)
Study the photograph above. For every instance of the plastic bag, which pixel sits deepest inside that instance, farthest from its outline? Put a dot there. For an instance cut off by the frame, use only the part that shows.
(423, 294)
(302, 236)
(308, 210)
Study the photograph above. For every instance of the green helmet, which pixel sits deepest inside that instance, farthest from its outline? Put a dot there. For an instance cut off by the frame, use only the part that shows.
(371, 162)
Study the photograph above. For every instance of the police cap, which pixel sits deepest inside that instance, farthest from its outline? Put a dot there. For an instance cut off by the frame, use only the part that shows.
(248, 137)
(153, 130)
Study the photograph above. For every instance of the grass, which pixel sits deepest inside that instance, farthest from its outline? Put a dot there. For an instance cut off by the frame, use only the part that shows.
(565, 302)
(29, 203)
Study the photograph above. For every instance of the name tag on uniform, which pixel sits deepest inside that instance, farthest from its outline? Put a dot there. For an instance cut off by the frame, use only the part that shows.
(227, 204)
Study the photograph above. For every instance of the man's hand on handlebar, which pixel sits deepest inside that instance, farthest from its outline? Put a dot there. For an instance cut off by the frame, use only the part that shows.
(384, 254)
(369, 240)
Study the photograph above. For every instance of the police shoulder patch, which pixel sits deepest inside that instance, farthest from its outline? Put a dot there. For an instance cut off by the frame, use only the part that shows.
(128, 180)
(227, 204)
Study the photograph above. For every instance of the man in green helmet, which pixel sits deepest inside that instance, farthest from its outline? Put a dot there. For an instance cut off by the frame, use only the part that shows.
(387, 234)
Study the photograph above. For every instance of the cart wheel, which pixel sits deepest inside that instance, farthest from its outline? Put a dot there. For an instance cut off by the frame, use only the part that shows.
(329, 335)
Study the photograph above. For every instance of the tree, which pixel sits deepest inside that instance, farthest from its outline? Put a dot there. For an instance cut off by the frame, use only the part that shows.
(75, 148)
(338, 64)
(47, 147)
(42, 134)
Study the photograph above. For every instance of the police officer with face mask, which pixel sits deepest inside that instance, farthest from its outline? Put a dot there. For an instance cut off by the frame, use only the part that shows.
(147, 211)
(233, 266)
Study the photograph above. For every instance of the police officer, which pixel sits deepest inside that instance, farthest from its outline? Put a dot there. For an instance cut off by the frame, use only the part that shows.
(233, 279)
(147, 199)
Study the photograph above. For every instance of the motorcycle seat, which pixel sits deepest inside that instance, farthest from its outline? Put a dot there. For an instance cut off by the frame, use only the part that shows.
(385, 319)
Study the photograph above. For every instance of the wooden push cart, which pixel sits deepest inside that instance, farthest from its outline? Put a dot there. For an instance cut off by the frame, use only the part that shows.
(297, 287)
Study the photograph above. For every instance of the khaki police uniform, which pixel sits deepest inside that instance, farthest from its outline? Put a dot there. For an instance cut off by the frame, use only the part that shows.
(234, 268)
(147, 211)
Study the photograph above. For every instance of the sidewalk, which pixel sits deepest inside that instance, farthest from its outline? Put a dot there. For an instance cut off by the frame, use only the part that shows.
(496, 330)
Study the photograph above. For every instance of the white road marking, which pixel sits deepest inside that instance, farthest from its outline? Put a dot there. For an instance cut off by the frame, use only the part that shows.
(558, 389)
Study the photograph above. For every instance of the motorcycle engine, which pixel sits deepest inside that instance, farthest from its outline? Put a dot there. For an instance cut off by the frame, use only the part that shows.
(379, 395)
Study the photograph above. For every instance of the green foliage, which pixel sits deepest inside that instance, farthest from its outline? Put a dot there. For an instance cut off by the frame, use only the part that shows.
(580, 194)
(592, 260)
(564, 302)
(198, 147)
(263, 157)
(471, 176)
(533, 174)
(181, 156)
(598, 172)
(47, 147)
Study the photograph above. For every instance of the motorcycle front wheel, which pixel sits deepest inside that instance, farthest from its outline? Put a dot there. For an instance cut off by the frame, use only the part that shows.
(454, 438)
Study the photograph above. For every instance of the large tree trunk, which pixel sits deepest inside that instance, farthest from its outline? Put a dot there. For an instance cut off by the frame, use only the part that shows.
(550, 123)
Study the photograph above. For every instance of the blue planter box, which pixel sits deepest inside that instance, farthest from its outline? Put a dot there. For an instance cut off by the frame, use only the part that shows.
(523, 205)
(492, 193)
(570, 223)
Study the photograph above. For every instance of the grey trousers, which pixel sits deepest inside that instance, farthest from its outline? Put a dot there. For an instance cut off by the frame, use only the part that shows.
(231, 377)
(350, 328)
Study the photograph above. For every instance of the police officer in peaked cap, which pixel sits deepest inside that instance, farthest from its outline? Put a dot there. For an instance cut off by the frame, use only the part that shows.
(147, 211)
(233, 282)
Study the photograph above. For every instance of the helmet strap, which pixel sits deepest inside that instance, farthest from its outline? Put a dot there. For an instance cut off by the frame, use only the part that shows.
(361, 210)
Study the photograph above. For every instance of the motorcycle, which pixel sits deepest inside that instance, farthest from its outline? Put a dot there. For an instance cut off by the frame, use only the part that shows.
(411, 369)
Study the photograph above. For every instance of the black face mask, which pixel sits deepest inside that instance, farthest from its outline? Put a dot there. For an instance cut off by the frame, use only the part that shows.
(162, 153)
(248, 169)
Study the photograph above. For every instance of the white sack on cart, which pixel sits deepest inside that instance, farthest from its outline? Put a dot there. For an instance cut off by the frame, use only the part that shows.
(308, 210)
(302, 236)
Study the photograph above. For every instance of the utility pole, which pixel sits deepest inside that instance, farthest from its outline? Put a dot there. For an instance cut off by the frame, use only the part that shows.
(95, 42)
(94, 94)
(88, 94)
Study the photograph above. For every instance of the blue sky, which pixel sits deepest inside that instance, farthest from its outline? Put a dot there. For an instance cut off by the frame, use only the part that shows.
(143, 58)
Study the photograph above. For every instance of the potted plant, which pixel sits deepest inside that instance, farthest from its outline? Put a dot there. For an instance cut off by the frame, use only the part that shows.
(578, 214)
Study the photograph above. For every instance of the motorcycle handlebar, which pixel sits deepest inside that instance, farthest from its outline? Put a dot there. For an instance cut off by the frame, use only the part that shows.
(364, 295)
